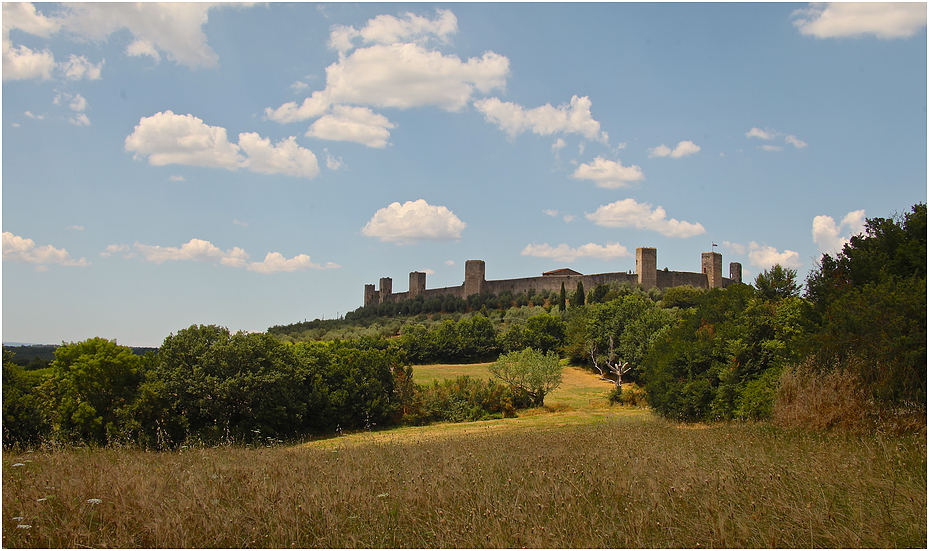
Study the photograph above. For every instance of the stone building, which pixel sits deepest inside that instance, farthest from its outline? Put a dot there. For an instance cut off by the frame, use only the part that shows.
(647, 275)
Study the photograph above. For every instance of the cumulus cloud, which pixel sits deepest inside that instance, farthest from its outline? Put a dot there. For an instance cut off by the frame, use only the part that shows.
(682, 150)
(195, 249)
(414, 221)
(832, 237)
(628, 213)
(204, 251)
(21, 249)
(284, 157)
(573, 118)
(885, 20)
(734, 248)
(353, 124)
(768, 134)
(116, 248)
(276, 262)
(173, 28)
(608, 174)
(333, 162)
(166, 138)
(21, 62)
(766, 256)
(77, 68)
(395, 68)
(564, 253)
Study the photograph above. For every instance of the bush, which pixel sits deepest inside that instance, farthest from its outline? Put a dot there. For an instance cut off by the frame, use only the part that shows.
(464, 399)
(822, 395)
(629, 395)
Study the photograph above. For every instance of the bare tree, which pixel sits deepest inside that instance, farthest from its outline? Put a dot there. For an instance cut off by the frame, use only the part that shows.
(611, 366)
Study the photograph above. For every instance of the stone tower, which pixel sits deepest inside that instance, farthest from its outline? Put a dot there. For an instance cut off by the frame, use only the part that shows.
(735, 272)
(385, 288)
(474, 278)
(712, 266)
(371, 296)
(646, 266)
(417, 284)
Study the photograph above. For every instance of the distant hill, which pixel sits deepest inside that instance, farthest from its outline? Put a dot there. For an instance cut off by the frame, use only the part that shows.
(36, 356)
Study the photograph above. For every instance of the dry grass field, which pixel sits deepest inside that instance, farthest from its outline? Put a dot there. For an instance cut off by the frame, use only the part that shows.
(579, 477)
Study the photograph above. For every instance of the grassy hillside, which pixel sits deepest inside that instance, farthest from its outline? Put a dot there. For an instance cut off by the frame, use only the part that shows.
(592, 478)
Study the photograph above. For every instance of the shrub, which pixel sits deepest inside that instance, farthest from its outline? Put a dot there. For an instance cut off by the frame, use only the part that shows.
(629, 395)
(464, 399)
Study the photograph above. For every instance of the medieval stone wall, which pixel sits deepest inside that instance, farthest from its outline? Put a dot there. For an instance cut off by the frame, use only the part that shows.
(647, 275)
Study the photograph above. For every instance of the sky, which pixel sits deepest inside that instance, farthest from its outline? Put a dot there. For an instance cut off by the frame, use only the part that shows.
(165, 165)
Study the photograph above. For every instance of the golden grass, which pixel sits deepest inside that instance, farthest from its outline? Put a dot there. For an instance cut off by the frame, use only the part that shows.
(571, 475)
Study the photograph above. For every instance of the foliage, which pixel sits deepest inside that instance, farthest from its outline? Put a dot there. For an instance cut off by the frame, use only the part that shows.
(92, 382)
(777, 283)
(24, 420)
(684, 296)
(870, 302)
(628, 395)
(532, 371)
(464, 399)
(721, 360)
(543, 331)
(579, 299)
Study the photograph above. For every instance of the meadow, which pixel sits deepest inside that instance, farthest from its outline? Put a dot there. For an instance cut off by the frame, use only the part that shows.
(562, 477)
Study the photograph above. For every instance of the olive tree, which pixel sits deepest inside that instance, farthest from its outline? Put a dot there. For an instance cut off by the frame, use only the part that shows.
(532, 371)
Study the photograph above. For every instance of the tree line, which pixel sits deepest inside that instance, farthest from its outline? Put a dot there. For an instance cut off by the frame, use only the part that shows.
(693, 354)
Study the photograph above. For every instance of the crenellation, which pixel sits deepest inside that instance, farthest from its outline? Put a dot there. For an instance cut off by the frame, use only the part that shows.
(646, 275)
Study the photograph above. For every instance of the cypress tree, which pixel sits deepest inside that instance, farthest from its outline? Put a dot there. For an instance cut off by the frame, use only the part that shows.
(561, 298)
(579, 298)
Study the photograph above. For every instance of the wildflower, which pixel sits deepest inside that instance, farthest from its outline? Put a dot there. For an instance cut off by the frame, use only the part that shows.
(19, 464)
(24, 526)
(94, 501)
(41, 499)
(382, 495)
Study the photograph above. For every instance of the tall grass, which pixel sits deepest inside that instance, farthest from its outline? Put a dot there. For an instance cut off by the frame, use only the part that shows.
(630, 482)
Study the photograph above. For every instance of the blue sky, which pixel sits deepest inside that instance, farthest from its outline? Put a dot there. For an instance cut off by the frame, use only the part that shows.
(255, 165)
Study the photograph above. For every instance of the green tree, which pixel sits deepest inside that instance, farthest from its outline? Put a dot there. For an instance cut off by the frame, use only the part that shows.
(562, 298)
(579, 299)
(529, 370)
(24, 418)
(92, 381)
(777, 283)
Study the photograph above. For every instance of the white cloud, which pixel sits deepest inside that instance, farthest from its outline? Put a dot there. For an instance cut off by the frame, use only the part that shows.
(756, 132)
(353, 124)
(237, 223)
(769, 134)
(829, 236)
(568, 217)
(75, 227)
(33, 116)
(564, 253)
(794, 141)
(332, 162)
(299, 86)
(449, 262)
(408, 75)
(177, 178)
(414, 221)
(734, 248)
(608, 174)
(886, 20)
(551, 212)
(312, 107)
(627, 213)
(682, 150)
(20, 249)
(173, 28)
(166, 138)
(514, 119)
(77, 68)
(195, 249)
(116, 248)
(428, 271)
(387, 29)
(141, 48)
(21, 62)
(204, 251)
(276, 262)
(766, 256)
(285, 157)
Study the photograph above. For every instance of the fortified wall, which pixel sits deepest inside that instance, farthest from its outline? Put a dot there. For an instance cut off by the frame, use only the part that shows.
(646, 274)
